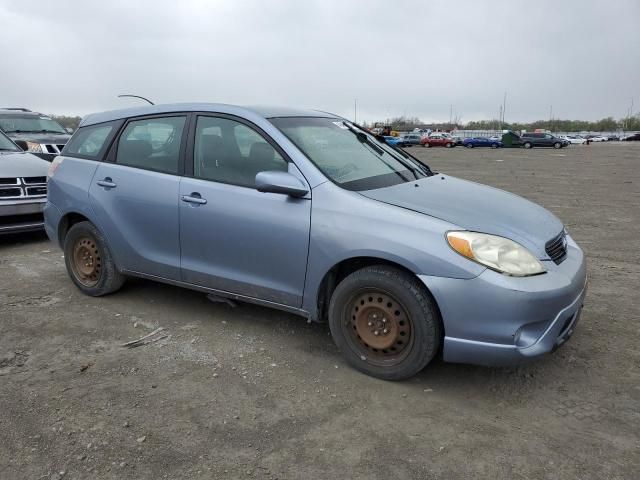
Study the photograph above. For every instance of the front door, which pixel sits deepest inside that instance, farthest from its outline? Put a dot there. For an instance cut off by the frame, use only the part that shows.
(234, 238)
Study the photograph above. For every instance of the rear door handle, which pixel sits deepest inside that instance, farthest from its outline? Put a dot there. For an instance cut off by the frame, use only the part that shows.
(194, 198)
(107, 183)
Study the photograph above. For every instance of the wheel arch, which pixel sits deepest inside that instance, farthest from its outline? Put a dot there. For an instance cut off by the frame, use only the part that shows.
(334, 275)
(67, 221)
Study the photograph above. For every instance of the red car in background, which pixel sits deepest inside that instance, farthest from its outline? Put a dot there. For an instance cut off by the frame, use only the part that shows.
(438, 140)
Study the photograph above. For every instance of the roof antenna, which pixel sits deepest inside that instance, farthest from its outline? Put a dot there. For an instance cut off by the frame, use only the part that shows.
(136, 96)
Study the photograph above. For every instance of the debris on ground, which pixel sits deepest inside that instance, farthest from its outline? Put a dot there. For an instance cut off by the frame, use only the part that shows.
(145, 340)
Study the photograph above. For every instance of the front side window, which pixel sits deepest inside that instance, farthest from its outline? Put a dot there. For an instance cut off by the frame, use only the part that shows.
(88, 141)
(7, 145)
(30, 124)
(349, 157)
(230, 152)
(152, 144)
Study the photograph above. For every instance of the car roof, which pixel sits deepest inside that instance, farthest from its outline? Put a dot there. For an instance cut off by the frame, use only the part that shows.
(19, 112)
(250, 111)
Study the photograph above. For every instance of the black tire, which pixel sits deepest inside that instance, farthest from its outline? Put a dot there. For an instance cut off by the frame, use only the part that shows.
(469, 145)
(428, 145)
(99, 275)
(528, 145)
(494, 145)
(557, 145)
(415, 327)
(448, 145)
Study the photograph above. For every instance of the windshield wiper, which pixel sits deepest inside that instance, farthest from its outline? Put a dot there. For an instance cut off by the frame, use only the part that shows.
(362, 138)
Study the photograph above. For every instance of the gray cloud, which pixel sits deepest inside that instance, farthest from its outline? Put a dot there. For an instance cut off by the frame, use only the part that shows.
(397, 58)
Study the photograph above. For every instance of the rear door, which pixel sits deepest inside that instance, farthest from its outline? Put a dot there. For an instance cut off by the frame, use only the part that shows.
(234, 238)
(135, 195)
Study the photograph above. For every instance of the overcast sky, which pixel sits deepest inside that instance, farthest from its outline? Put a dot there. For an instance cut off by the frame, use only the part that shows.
(413, 58)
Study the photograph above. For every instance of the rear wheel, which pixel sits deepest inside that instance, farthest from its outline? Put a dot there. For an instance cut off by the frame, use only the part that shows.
(89, 261)
(494, 145)
(384, 322)
(527, 145)
(448, 145)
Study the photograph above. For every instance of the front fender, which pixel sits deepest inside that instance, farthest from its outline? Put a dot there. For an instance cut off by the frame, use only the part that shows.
(369, 228)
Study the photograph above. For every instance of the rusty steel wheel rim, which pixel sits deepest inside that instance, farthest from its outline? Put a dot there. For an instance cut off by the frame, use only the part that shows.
(378, 327)
(86, 261)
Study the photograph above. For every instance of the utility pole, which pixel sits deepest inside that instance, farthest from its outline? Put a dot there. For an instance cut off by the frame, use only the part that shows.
(504, 105)
(355, 110)
(500, 116)
(450, 114)
(550, 117)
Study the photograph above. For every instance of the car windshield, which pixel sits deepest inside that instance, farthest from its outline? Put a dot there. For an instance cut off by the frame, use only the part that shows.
(347, 155)
(7, 145)
(29, 124)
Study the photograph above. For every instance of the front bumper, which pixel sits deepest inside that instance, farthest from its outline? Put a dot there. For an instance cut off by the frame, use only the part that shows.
(496, 320)
(21, 216)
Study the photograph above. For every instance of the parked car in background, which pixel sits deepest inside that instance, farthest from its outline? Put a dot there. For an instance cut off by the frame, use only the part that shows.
(482, 142)
(574, 139)
(632, 138)
(393, 141)
(596, 138)
(34, 132)
(613, 138)
(23, 188)
(218, 199)
(410, 139)
(535, 139)
(438, 140)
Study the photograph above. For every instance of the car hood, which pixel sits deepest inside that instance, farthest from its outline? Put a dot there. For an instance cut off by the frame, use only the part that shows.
(22, 164)
(45, 138)
(475, 207)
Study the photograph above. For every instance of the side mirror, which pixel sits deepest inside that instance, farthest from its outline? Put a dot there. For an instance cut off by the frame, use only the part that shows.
(280, 182)
(69, 130)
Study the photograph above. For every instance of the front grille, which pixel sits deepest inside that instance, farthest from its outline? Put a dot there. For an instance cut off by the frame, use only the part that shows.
(52, 148)
(36, 191)
(556, 248)
(10, 192)
(32, 180)
(22, 188)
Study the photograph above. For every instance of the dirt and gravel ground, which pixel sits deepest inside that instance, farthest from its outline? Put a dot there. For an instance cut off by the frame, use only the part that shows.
(248, 392)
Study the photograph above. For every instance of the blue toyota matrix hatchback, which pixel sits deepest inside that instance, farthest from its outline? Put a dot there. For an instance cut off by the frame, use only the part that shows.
(309, 213)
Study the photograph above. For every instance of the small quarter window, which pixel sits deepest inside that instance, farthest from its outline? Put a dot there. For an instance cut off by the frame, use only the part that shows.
(88, 142)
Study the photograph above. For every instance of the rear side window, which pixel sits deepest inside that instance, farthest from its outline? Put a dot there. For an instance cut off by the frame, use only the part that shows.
(152, 144)
(90, 142)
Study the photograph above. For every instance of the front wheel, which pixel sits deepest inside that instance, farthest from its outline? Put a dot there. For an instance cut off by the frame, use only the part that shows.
(384, 322)
(527, 145)
(448, 145)
(469, 145)
(89, 261)
(557, 145)
(494, 145)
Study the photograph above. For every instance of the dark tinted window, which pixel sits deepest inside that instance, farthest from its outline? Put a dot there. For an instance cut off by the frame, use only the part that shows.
(230, 152)
(89, 142)
(152, 144)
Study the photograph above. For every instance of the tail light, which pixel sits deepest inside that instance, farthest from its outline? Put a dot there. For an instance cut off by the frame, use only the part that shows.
(54, 166)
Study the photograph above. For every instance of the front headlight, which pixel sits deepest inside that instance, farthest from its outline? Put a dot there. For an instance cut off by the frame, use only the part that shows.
(497, 253)
(34, 147)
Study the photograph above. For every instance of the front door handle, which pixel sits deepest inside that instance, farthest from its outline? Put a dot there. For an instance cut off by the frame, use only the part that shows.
(194, 198)
(107, 183)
